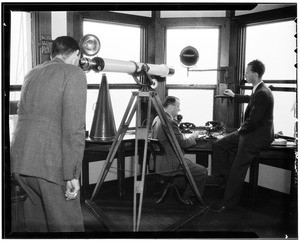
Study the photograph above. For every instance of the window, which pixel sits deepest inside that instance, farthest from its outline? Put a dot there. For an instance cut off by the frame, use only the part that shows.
(20, 51)
(274, 44)
(118, 42)
(196, 103)
(20, 56)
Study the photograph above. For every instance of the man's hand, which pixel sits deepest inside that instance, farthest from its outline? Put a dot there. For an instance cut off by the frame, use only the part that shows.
(72, 189)
(228, 92)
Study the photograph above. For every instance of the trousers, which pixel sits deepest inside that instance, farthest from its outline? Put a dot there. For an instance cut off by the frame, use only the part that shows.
(235, 171)
(46, 208)
(199, 174)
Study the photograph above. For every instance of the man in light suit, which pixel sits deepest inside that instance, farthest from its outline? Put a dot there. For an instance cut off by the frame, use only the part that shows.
(256, 132)
(48, 143)
(168, 163)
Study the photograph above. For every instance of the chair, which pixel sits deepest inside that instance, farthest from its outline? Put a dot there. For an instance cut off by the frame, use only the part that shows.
(169, 188)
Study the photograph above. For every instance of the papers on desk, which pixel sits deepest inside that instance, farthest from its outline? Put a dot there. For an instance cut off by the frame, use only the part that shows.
(283, 142)
(201, 136)
(279, 141)
(291, 144)
(215, 136)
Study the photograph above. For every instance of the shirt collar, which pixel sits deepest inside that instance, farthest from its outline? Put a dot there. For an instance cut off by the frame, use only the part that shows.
(170, 116)
(57, 59)
(255, 87)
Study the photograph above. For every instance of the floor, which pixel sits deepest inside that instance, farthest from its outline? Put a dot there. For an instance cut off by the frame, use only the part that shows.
(273, 217)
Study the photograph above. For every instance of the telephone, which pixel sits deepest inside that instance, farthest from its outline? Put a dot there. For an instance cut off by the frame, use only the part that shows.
(214, 126)
(186, 127)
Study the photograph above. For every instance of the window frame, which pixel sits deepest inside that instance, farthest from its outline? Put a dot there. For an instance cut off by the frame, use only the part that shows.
(222, 24)
(267, 17)
(120, 19)
(242, 80)
(125, 20)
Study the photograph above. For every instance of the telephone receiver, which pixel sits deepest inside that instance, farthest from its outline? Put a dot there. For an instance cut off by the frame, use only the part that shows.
(186, 127)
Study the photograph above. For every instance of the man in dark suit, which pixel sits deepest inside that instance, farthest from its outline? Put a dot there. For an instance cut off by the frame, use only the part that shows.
(168, 163)
(256, 132)
(49, 139)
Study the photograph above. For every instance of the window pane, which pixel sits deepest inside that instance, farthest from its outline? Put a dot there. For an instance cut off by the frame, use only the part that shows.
(284, 112)
(206, 41)
(274, 45)
(196, 106)
(20, 51)
(121, 98)
(118, 42)
(121, 105)
(20, 57)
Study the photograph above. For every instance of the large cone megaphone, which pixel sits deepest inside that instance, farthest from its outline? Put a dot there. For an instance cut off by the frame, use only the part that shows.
(103, 126)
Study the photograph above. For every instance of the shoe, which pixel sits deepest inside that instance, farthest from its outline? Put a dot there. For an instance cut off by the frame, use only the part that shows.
(190, 200)
(221, 209)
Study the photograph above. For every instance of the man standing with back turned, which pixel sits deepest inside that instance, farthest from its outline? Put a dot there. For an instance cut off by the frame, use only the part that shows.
(255, 133)
(48, 143)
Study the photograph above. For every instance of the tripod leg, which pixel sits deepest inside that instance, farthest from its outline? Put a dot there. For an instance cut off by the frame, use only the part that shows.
(145, 134)
(115, 145)
(172, 138)
(141, 134)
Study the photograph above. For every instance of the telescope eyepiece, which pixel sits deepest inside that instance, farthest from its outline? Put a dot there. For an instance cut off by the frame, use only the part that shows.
(96, 64)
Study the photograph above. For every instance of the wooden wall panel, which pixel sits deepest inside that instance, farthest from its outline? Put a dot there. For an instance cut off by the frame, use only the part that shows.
(42, 39)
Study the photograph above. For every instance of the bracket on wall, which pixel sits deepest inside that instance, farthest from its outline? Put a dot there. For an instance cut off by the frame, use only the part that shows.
(45, 44)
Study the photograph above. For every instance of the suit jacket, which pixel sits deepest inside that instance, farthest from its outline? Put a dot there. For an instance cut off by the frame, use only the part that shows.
(258, 125)
(169, 161)
(49, 138)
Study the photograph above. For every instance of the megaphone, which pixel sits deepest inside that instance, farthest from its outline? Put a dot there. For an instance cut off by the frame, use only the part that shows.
(189, 56)
(89, 45)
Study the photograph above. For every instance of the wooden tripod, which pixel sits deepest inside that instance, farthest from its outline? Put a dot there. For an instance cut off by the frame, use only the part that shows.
(142, 133)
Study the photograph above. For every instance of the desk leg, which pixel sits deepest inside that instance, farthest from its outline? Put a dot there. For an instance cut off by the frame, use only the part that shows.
(202, 159)
(253, 180)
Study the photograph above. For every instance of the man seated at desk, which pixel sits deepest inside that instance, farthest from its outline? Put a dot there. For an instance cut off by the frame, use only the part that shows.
(169, 161)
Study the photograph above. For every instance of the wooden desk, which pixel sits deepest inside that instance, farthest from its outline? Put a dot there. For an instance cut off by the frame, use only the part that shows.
(276, 156)
(97, 151)
(202, 149)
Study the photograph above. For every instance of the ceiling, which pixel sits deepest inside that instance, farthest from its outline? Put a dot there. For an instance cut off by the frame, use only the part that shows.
(209, 13)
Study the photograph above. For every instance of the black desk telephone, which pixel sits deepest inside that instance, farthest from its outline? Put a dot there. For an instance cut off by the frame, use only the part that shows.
(210, 126)
(214, 126)
(186, 127)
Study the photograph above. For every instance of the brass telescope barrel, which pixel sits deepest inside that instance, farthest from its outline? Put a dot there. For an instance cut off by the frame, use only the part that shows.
(98, 64)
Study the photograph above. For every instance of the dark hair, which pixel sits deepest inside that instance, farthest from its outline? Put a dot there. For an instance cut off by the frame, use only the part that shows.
(169, 100)
(64, 45)
(258, 67)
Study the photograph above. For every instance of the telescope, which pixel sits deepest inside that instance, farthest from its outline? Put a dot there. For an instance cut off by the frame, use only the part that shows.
(90, 46)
